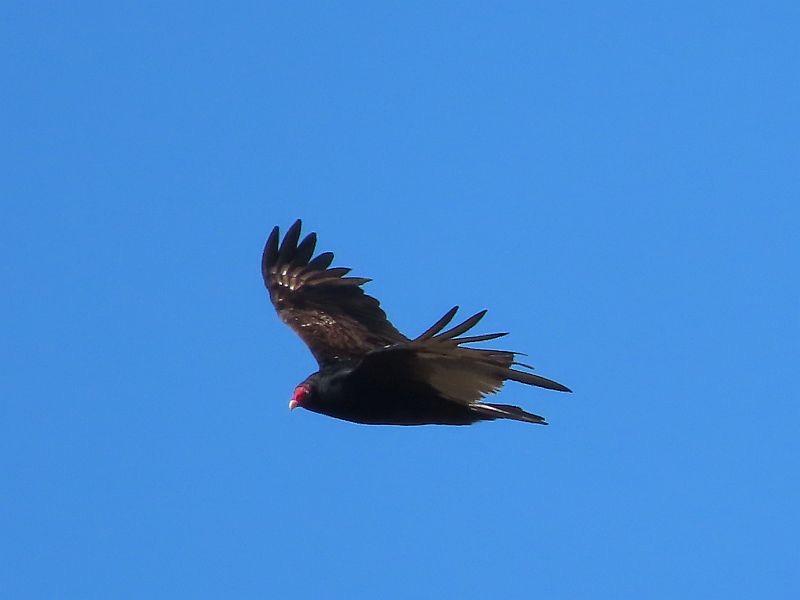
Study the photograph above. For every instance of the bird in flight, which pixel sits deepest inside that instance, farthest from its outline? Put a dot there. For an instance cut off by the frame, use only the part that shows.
(371, 373)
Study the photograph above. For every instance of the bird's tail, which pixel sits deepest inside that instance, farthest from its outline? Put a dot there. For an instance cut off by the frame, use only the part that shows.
(506, 411)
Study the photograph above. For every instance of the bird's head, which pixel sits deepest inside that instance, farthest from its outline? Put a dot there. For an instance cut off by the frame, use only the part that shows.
(320, 391)
(302, 395)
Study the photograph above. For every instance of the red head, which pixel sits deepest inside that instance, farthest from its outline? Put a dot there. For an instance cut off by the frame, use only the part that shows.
(301, 392)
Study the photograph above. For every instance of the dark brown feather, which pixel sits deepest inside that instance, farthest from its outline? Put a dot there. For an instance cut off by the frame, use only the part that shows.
(329, 311)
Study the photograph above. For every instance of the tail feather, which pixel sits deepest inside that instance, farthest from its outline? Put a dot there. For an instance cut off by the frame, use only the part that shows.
(506, 411)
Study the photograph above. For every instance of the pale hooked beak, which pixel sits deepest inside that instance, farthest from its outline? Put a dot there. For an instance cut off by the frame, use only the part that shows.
(293, 404)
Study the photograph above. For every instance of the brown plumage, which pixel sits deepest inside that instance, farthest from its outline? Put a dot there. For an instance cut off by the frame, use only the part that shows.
(369, 371)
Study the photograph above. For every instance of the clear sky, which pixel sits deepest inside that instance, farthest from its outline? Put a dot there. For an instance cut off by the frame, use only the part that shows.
(617, 182)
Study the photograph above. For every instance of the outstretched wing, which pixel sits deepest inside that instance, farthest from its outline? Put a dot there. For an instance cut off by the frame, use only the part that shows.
(329, 311)
(437, 359)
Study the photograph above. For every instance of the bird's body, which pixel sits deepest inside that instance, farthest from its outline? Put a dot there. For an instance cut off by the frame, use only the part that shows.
(371, 373)
(341, 396)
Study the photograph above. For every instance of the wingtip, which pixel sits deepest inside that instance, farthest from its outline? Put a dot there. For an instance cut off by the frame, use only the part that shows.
(289, 244)
(305, 250)
(294, 228)
(270, 252)
(537, 380)
(274, 235)
(477, 317)
(559, 387)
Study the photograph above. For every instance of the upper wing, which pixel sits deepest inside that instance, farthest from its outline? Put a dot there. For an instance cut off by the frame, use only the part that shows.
(437, 359)
(329, 311)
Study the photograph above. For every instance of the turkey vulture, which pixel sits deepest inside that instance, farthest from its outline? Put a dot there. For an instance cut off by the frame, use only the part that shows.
(371, 373)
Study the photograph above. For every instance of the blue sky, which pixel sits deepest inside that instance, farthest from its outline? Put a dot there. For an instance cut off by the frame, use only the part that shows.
(616, 182)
